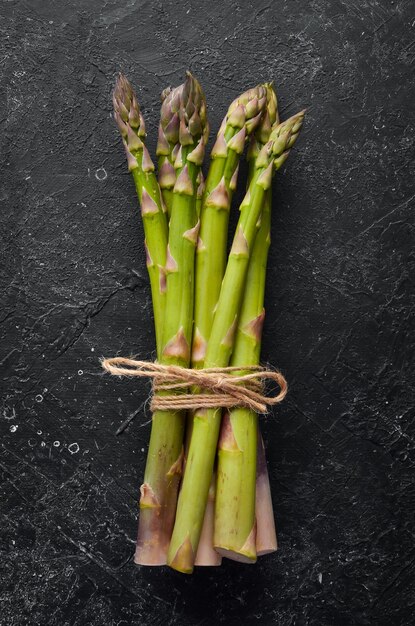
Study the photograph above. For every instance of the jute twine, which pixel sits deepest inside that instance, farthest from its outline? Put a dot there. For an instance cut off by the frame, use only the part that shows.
(220, 387)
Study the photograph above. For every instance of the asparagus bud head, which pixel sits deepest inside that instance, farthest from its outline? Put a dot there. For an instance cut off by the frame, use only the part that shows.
(263, 129)
(247, 109)
(283, 137)
(127, 114)
(169, 120)
(193, 125)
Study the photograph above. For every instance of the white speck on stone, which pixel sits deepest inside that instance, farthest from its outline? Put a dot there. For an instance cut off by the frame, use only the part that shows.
(56, 444)
(101, 174)
(13, 428)
(320, 577)
(39, 397)
(92, 349)
(73, 448)
(12, 414)
(80, 372)
(142, 449)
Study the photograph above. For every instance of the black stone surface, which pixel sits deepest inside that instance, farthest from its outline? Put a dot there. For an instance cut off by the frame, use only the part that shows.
(340, 298)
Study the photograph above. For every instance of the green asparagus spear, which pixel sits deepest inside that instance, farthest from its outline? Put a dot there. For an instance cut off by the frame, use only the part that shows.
(130, 121)
(234, 534)
(243, 117)
(164, 461)
(235, 511)
(199, 466)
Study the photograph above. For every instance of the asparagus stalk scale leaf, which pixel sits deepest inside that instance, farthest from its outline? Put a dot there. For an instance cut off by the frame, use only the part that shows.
(164, 460)
(194, 492)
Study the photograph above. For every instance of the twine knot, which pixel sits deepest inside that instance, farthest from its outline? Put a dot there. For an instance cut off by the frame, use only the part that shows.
(217, 387)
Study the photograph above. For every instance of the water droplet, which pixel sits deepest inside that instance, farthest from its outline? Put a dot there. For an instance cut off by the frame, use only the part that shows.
(31, 443)
(43, 444)
(13, 428)
(92, 349)
(80, 372)
(56, 444)
(39, 397)
(73, 448)
(39, 432)
(101, 174)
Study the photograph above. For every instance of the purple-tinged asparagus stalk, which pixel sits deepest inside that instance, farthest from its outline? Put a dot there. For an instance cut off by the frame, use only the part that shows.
(266, 540)
(266, 536)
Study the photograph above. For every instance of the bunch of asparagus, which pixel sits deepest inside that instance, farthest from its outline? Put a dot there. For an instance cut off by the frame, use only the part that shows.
(206, 491)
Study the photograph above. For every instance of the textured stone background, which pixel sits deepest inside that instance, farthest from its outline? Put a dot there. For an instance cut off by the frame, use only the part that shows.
(340, 290)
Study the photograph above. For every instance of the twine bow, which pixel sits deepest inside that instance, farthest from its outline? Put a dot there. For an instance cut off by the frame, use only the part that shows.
(220, 387)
